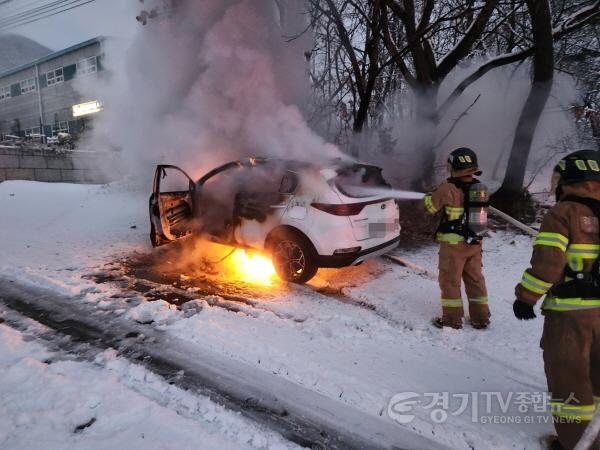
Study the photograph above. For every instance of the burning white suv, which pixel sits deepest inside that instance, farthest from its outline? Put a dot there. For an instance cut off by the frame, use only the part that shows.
(304, 216)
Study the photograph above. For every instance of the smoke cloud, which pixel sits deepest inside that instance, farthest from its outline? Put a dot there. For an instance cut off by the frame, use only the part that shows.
(209, 81)
(484, 118)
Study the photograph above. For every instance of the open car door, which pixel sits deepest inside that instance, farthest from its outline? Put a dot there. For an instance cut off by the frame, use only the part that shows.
(171, 205)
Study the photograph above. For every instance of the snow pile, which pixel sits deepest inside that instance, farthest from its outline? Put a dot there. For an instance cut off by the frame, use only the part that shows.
(159, 312)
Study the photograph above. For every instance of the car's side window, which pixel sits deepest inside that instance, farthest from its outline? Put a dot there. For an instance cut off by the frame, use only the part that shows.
(260, 179)
(289, 183)
(173, 180)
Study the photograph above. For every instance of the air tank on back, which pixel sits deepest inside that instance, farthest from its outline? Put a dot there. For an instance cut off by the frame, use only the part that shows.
(479, 199)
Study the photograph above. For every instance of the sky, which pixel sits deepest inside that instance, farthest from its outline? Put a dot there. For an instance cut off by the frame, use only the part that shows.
(101, 17)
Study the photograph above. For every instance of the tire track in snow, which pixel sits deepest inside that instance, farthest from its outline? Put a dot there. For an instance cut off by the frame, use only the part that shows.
(339, 296)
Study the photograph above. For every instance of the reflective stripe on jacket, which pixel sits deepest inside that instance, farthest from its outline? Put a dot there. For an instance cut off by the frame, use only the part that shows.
(569, 236)
(573, 412)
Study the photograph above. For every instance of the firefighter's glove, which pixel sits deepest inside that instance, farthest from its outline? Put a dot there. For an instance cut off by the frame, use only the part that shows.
(523, 311)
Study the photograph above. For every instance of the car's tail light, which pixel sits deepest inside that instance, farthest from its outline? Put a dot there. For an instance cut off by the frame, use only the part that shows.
(352, 209)
(346, 209)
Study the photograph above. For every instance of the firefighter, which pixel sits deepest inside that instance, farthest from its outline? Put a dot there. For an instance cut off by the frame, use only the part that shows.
(564, 267)
(462, 201)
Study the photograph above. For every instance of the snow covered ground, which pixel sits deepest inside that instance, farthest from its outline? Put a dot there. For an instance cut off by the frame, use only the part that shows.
(52, 402)
(358, 336)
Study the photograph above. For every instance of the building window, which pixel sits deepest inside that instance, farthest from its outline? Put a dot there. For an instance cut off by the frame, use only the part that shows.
(55, 76)
(32, 131)
(28, 85)
(60, 127)
(86, 66)
(4, 92)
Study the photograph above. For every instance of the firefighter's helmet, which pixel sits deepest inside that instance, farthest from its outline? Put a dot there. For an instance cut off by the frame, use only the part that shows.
(463, 161)
(583, 165)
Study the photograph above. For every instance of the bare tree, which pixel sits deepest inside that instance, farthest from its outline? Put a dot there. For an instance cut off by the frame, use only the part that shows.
(411, 40)
(377, 48)
(363, 63)
(543, 74)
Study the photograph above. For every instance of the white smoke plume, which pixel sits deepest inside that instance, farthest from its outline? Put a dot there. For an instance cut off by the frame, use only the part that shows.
(484, 118)
(209, 81)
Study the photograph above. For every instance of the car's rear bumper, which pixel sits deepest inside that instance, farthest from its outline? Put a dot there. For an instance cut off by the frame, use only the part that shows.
(349, 259)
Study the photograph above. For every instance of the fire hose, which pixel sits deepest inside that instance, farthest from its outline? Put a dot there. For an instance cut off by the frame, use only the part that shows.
(424, 272)
(521, 226)
(590, 434)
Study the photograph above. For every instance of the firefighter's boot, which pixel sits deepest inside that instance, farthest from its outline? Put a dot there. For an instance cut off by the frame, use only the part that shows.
(552, 443)
(438, 322)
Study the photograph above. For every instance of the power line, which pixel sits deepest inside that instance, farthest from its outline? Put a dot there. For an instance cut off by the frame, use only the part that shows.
(34, 16)
(27, 14)
(39, 12)
(19, 6)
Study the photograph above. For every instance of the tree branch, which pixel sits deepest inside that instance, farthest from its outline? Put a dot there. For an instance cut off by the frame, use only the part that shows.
(455, 123)
(394, 51)
(571, 24)
(426, 15)
(335, 15)
(462, 49)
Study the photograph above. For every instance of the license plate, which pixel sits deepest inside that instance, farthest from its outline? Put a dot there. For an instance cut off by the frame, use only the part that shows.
(381, 229)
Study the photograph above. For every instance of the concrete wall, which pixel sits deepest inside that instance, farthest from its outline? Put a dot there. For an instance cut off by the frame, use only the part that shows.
(50, 166)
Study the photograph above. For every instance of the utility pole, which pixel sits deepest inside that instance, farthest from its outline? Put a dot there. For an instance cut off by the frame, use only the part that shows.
(41, 106)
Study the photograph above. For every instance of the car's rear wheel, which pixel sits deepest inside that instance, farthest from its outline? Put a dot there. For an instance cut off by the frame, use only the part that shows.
(293, 257)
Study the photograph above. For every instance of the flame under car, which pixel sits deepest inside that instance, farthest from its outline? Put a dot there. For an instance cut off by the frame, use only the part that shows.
(304, 216)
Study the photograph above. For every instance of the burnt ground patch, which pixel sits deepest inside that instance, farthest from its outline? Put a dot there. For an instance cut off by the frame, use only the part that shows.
(169, 273)
(179, 265)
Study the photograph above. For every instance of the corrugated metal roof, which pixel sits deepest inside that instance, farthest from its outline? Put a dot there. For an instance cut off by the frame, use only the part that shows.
(52, 56)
